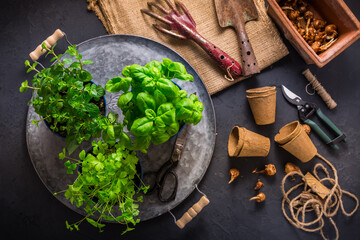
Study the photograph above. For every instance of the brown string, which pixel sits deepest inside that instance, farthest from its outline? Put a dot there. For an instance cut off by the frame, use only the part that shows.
(307, 202)
(231, 79)
(319, 89)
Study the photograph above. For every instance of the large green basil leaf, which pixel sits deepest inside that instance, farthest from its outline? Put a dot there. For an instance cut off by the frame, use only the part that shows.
(125, 140)
(196, 118)
(166, 112)
(142, 143)
(141, 127)
(177, 67)
(173, 128)
(184, 109)
(126, 71)
(155, 69)
(150, 114)
(148, 84)
(159, 122)
(159, 137)
(153, 64)
(198, 106)
(167, 87)
(116, 84)
(193, 98)
(184, 77)
(139, 73)
(145, 101)
(160, 98)
(178, 70)
(124, 99)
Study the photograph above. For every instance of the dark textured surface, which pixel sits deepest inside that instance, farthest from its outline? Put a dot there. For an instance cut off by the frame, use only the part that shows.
(28, 211)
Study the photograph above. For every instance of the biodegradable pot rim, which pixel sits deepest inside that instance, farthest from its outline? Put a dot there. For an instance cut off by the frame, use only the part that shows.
(294, 133)
(261, 90)
(235, 142)
(261, 95)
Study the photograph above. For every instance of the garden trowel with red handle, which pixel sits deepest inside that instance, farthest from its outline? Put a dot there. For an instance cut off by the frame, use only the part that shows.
(236, 13)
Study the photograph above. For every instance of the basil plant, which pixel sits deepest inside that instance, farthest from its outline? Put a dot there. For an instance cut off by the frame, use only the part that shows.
(155, 107)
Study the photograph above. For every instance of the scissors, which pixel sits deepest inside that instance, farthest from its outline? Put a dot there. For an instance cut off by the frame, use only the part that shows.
(166, 170)
(306, 110)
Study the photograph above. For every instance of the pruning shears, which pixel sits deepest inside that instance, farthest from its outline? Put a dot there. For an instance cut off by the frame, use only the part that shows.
(166, 187)
(306, 110)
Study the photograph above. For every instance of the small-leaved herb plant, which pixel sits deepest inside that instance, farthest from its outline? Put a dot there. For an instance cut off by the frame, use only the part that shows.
(107, 182)
(65, 98)
(153, 106)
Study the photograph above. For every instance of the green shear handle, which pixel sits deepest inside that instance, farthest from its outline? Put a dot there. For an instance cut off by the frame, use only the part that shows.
(322, 134)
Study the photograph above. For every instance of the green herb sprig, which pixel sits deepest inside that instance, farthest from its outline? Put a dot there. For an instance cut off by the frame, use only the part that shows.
(105, 185)
(65, 98)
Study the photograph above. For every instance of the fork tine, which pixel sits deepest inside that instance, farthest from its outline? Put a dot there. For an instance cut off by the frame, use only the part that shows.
(172, 7)
(156, 16)
(163, 30)
(187, 13)
(158, 6)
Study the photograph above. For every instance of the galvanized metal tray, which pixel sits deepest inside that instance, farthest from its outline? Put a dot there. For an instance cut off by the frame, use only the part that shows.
(111, 53)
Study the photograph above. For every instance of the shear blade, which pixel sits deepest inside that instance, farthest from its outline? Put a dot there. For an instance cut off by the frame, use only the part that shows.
(291, 97)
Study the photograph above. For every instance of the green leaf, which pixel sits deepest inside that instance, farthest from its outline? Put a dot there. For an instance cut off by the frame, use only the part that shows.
(95, 224)
(68, 226)
(67, 163)
(145, 101)
(71, 143)
(24, 86)
(138, 73)
(141, 127)
(84, 76)
(159, 137)
(159, 97)
(62, 155)
(150, 114)
(87, 62)
(168, 88)
(125, 140)
(166, 112)
(124, 99)
(113, 117)
(184, 109)
(67, 60)
(82, 155)
(173, 128)
(116, 84)
(177, 68)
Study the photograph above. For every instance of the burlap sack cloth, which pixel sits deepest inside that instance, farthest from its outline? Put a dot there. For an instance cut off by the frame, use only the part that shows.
(124, 17)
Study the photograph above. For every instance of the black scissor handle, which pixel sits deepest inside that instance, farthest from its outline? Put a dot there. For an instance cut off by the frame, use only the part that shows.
(174, 189)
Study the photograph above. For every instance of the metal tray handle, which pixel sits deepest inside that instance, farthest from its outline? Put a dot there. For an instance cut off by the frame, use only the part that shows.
(50, 41)
(192, 212)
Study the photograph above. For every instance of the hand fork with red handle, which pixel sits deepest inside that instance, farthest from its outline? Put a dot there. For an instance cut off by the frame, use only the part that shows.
(184, 27)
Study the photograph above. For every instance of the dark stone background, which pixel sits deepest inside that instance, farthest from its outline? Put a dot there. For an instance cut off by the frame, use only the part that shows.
(29, 211)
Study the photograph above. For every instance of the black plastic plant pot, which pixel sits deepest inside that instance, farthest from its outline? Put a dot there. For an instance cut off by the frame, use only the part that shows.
(61, 136)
